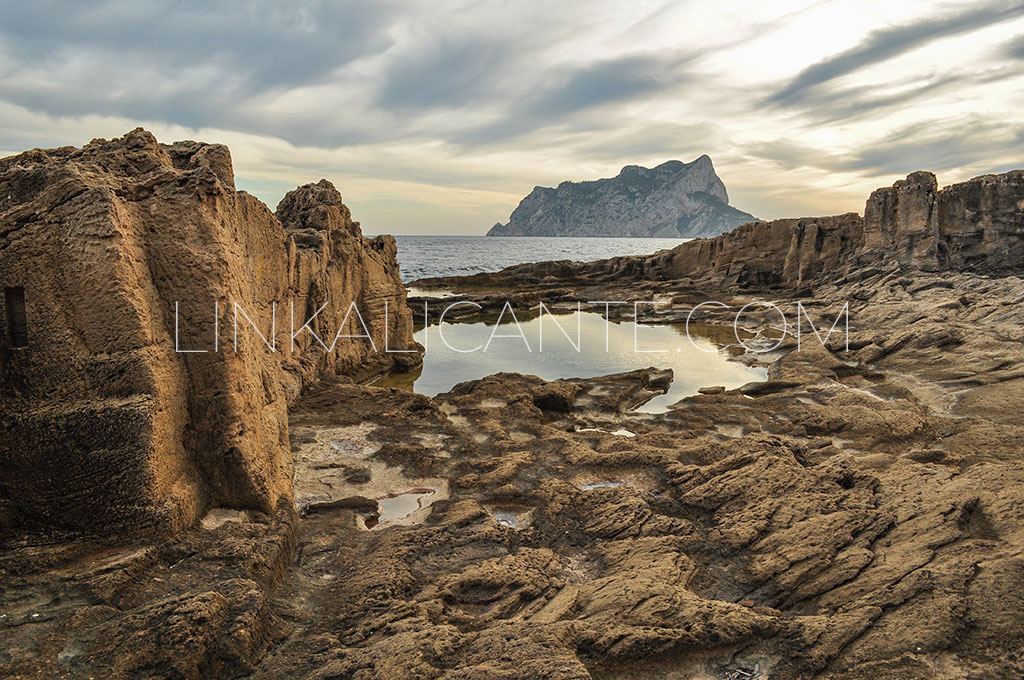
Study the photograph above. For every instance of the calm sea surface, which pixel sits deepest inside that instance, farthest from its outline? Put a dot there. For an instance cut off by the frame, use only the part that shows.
(423, 256)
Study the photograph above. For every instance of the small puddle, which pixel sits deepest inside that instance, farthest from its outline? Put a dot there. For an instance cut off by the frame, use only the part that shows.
(511, 516)
(438, 293)
(220, 516)
(349, 447)
(617, 433)
(396, 508)
(614, 479)
(335, 466)
(606, 484)
(731, 431)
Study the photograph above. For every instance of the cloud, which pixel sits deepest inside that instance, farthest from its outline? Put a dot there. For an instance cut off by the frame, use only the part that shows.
(263, 42)
(886, 43)
(937, 146)
(1015, 49)
(190, 63)
(450, 74)
(563, 93)
(839, 104)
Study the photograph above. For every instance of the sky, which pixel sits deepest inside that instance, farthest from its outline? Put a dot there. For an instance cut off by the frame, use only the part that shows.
(439, 117)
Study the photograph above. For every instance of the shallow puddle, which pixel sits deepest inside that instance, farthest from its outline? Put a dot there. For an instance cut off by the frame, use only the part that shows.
(395, 508)
(605, 484)
(511, 516)
(335, 467)
(618, 433)
(575, 345)
(438, 293)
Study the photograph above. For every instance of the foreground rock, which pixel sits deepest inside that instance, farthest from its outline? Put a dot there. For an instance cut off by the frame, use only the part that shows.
(112, 258)
(672, 200)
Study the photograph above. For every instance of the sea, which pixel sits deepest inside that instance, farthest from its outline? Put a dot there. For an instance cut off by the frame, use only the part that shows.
(428, 256)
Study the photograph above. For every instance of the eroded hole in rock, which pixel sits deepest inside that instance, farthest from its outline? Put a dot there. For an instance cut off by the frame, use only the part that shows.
(17, 321)
(369, 520)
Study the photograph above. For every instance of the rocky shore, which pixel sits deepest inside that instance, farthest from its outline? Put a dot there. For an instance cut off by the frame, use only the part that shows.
(859, 514)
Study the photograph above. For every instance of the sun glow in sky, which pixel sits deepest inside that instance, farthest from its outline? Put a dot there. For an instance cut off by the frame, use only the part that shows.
(438, 117)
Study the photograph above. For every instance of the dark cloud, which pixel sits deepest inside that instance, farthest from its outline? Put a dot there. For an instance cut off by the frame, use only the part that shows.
(264, 42)
(604, 83)
(187, 63)
(931, 145)
(887, 43)
(1016, 48)
(841, 104)
(936, 146)
(451, 74)
(557, 97)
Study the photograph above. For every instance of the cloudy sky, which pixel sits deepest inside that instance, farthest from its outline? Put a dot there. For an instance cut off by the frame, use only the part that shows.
(439, 116)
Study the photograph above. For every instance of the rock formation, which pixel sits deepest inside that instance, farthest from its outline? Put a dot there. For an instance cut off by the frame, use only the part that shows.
(672, 200)
(859, 514)
(119, 413)
(977, 225)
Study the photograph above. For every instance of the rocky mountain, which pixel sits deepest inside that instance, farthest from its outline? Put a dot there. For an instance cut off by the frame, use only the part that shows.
(671, 200)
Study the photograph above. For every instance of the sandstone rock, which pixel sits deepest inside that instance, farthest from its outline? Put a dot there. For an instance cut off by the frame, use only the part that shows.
(112, 257)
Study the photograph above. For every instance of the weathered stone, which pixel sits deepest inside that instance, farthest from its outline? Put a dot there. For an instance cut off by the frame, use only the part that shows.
(119, 412)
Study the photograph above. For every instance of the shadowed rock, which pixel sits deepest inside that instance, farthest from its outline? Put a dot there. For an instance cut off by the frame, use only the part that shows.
(119, 412)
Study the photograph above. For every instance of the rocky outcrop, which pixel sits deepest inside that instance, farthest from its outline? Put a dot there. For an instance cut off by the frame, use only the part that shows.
(672, 200)
(977, 225)
(126, 405)
(334, 273)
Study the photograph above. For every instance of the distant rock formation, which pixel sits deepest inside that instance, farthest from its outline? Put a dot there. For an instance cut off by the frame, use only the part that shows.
(104, 426)
(977, 225)
(672, 200)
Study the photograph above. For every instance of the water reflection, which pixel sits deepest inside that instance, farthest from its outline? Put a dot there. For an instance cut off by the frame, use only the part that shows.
(576, 345)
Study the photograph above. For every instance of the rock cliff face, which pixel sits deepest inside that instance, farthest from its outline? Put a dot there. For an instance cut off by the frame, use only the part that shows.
(977, 225)
(674, 199)
(119, 412)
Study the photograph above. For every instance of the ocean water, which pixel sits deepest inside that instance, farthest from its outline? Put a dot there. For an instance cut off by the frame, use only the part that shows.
(425, 256)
